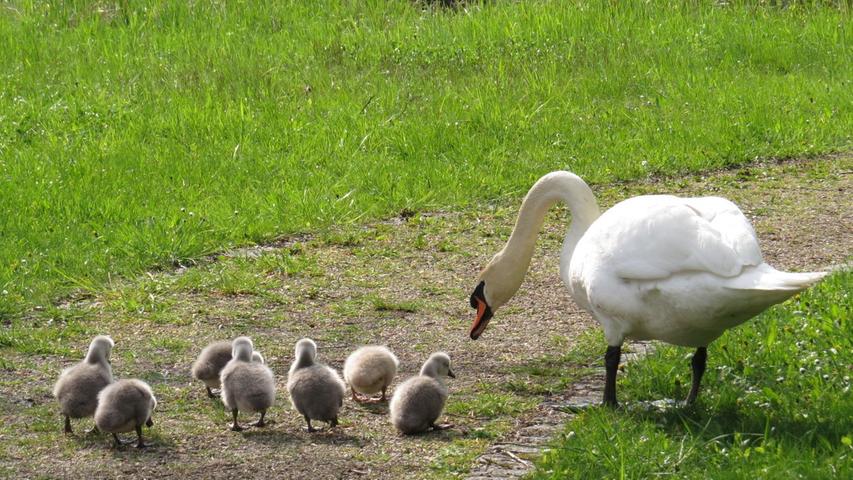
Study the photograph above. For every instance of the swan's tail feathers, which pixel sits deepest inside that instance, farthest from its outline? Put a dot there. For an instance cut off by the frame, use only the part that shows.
(770, 279)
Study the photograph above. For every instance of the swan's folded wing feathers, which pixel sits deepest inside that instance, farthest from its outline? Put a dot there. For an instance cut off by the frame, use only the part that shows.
(671, 236)
(735, 229)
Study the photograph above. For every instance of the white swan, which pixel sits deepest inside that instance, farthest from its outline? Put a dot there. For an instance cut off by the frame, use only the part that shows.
(680, 270)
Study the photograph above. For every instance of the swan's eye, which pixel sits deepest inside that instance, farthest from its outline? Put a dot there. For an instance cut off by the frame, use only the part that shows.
(478, 295)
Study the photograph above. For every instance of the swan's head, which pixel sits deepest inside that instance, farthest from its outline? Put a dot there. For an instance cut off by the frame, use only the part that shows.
(306, 349)
(242, 348)
(496, 284)
(437, 366)
(257, 358)
(99, 349)
(484, 310)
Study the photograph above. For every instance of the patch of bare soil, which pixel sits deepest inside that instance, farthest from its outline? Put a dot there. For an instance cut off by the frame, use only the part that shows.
(404, 283)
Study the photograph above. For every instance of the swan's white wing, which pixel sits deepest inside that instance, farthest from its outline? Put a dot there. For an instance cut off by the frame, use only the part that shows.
(655, 237)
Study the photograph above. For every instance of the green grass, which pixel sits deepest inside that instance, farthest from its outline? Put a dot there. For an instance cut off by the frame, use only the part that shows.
(142, 134)
(775, 403)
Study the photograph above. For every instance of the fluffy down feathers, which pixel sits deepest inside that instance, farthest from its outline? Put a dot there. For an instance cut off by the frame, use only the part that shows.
(247, 385)
(78, 386)
(316, 391)
(124, 405)
(370, 369)
(210, 363)
(418, 402)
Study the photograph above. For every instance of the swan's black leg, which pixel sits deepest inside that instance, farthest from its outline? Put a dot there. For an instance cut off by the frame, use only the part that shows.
(698, 363)
(611, 365)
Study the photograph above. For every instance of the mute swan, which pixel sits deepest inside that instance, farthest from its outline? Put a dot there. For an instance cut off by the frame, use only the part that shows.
(258, 358)
(125, 406)
(370, 369)
(210, 363)
(679, 270)
(78, 386)
(247, 384)
(316, 391)
(418, 402)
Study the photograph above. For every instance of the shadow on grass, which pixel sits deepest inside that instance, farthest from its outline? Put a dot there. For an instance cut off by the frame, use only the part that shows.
(725, 423)
(273, 436)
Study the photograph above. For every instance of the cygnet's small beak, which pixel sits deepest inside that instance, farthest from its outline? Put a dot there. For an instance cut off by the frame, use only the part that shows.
(450, 373)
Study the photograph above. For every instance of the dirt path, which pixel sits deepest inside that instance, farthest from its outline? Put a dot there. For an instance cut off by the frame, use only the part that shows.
(404, 283)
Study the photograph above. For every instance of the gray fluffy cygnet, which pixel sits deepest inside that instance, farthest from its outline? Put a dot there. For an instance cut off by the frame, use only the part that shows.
(209, 364)
(370, 370)
(246, 384)
(125, 406)
(316, 391)
(418, 402)
(78, 386)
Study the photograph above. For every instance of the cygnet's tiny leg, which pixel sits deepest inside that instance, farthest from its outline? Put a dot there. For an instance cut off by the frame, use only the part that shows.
(235, 427)
(310, 429)
(333, 423)
(139, 442)
(383, 398)
(210, 392)
(355, 396)
(119, 442)
(260, 422)
(68, 424)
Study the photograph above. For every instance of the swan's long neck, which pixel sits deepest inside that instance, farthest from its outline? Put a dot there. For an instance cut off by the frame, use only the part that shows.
(512, 262)
(430, 369)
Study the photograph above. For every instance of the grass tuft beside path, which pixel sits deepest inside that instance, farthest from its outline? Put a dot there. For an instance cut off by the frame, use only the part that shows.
(146, 133)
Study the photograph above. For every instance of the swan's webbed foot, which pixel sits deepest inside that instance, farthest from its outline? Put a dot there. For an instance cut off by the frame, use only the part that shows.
(260, 422)
(235, 426)
(309, 429)
(119, 442)
(140, 443)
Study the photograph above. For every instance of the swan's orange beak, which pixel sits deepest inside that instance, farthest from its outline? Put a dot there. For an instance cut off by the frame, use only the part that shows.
(484, 314)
